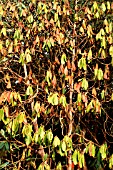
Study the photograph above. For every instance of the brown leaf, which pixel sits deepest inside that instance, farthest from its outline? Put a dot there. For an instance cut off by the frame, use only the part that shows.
(94, 92)
(77, 87)
(66, 71)
(68, 64)
(73, 66)
(54, 81)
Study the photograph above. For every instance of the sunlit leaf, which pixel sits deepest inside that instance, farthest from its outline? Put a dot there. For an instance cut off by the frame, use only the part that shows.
(63, 144)
(63, 58)
(75, 157)
(56, 141)
(1, 114)
(85, 84)
(3, 31)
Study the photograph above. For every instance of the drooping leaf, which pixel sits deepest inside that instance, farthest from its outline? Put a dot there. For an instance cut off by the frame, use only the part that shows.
(56, 141)
(75, 157)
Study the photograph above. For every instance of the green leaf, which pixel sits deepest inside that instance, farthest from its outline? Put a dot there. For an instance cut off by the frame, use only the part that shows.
(4, 165)
(28, 139)
(30, 18)
(89, 55)
(103, 7)
(59, 166)
(53, 98)
(102, 94)
(15, 126)
(84, 84)
(75, 157)
(45, 157)
(102, 150)
(63, 144)
(41, 132)
(108, 5)
(56, 141)
(27, 129)
(93, 150)
(49, 136)
(3, 31)
(2, 144)
(17, 34)
(79, 97)
(1, 114)
(22, 58)
(63, 58)
(111, 50)
(100, 74)
(27, 55)
(111, 162)
(55, 17)
(63, 100)
(48, 76)
(29, 91)
(112, 96)
(7, 146)
(21, 117)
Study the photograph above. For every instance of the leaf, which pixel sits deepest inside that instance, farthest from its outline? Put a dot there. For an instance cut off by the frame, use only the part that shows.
(111, 162)
(103, 7)
(27, 129)
(79, 97)
(48, 76)
(30, 18)
(2, 144)
(108, 5)
(91, 149)
(56, 141)
(100, 74)
(53, 98)
(84, 63)
(112, 97)
(49, 136)
(63, 58)
(1, 114)
(102, 94)
(27, 55)
(82, 30)
(59, 166)
(84, 84)
(3, 31)
(37, 107)
(90, 54)
(102, 150)
(55, 17)
(103, 42)
(63, 144)
(7, 146)
(41, 132)
(17, 34)
(21, 117)
(15, 126)
(110, 27)
(3, 165)
(54, 82)
(63, 100)
(28, 139)
(75, 157)
(29, 91)
(10, 48)
(111, 51)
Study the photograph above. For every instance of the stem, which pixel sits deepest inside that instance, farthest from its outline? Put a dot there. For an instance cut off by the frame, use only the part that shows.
(70, 111)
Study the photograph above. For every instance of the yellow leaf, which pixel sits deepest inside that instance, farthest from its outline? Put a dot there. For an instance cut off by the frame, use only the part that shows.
(3, 31)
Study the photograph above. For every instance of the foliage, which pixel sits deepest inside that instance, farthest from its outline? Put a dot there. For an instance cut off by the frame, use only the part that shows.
(56, 79)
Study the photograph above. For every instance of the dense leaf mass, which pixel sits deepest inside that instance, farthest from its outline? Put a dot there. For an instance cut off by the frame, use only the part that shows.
(56, 84)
